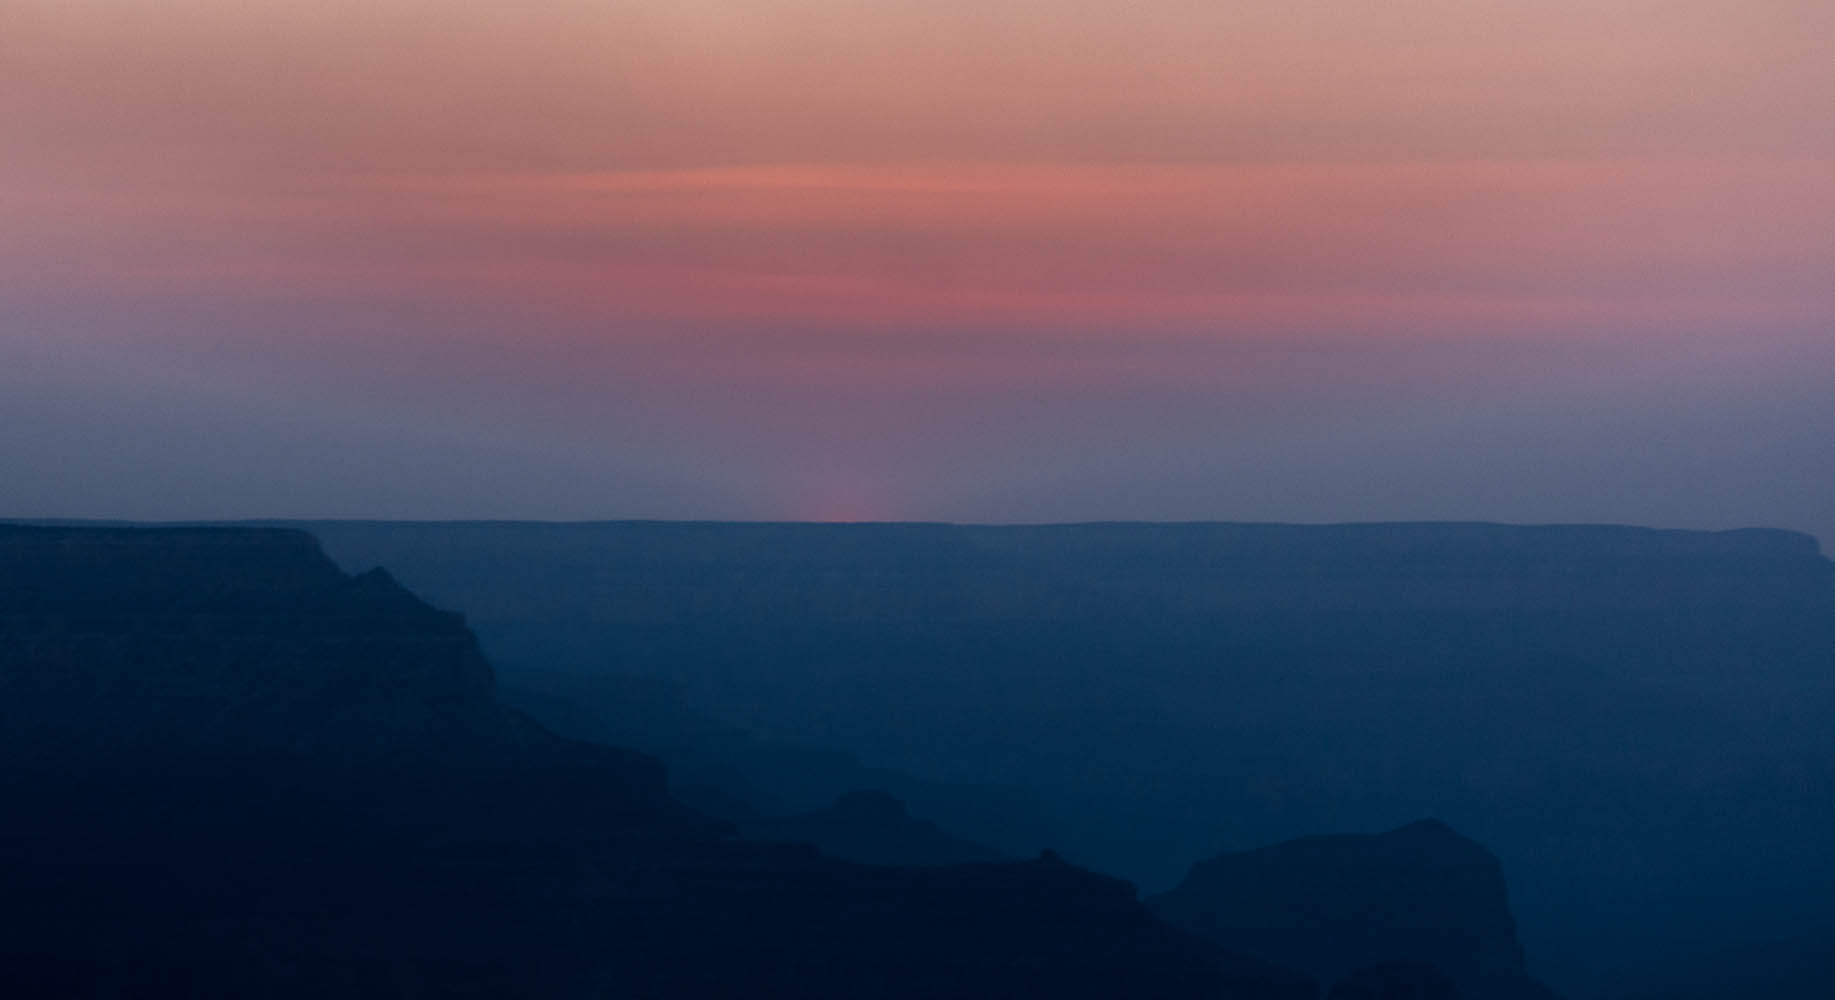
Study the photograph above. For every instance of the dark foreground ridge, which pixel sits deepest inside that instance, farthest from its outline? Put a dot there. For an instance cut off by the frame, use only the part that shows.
(1342, 907)
(230, 769)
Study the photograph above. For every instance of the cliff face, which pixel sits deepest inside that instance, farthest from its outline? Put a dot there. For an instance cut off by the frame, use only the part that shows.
(1340, 905)
(231, 769)
(1636, 720)
(139, 668)
(658, 572)
(122, 643)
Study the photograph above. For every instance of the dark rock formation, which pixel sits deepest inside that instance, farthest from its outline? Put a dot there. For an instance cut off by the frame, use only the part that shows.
(199, 657)
(1347, 908)
(727, 772)
(872, 827)
(654, 572)
(1636, 718)
(231, 770)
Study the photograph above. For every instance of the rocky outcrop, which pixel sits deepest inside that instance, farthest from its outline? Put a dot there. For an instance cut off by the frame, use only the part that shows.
(654, 572)
(1370, 913)
(230, 769)
(1637, 718)
(136, 665)
(762, 783)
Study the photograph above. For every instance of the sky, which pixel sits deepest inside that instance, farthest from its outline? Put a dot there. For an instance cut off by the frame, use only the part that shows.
(1001, 260)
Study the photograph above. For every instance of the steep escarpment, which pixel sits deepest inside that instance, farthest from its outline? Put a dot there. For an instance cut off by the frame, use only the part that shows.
(1635, 720)
(181, 660)
(1344, 907)
(656, 572)
(199, 637)
(230, 769)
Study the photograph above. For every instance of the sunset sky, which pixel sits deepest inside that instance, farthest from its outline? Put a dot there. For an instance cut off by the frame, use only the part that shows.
(1002, 260)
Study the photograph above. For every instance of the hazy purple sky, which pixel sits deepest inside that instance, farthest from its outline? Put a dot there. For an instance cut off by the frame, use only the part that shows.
(1021, 261)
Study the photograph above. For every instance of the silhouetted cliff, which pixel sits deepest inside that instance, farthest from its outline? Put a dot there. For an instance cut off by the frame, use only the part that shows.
(198, 656)
(233, 770)
(1634, 719)
(751, 780)
(1336, 906)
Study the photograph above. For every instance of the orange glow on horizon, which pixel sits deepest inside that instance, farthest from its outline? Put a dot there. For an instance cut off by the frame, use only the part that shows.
(827, 258)
(1418, 250)
(777, 169)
